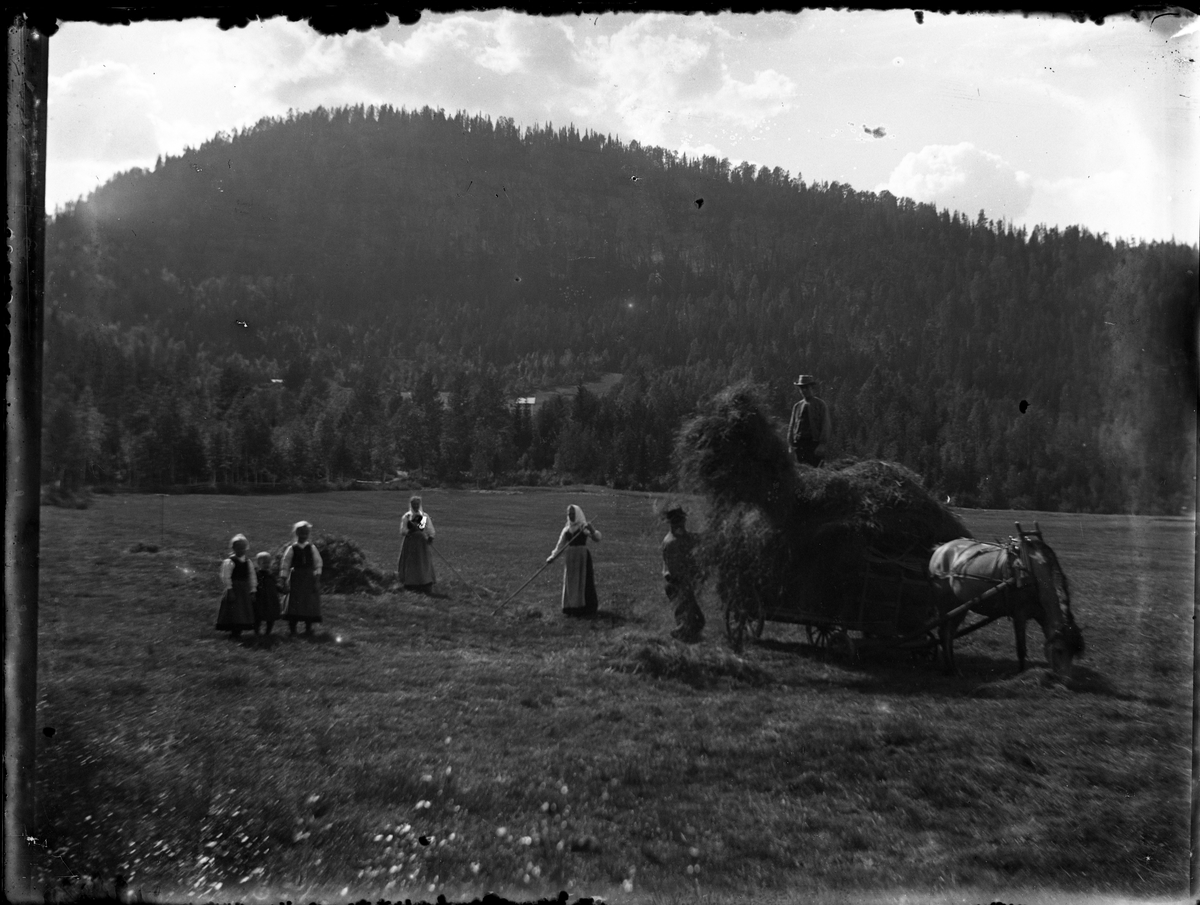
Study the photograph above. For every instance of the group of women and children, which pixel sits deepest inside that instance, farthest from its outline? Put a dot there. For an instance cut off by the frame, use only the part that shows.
(252, 599)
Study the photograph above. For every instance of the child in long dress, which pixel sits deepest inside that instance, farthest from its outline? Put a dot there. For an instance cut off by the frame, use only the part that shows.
(266, 597)
(238, 583)
(579, 580)
(300, 571)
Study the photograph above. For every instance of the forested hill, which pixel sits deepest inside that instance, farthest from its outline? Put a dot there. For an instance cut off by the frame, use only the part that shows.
(367, 259)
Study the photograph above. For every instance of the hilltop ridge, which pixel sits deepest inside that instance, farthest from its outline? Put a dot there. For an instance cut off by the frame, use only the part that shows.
(357, 251)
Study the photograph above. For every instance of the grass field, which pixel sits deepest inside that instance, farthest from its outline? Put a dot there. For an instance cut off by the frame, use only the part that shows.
(420, 745)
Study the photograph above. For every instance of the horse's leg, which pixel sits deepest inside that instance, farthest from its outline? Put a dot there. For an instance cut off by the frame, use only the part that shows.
(1019, 622)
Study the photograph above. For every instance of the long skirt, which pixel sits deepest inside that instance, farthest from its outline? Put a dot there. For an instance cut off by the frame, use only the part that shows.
(689, 618)
(304, 596)
(415, 566)
(579, 583)
(237, 609)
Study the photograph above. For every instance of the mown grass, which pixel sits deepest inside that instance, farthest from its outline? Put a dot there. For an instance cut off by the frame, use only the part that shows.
(420, 745)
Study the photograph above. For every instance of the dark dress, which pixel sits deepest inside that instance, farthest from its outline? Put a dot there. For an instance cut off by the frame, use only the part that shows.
(237, 609)
(579, 580)
(415, 565)
(304, 594)
(266, 597)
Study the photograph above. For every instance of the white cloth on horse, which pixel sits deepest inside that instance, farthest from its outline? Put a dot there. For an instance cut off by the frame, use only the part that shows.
(971, 567)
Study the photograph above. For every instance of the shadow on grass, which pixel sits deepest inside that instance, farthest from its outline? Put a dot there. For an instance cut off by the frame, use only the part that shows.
(261, 642)
(315, 637)
(609, 618)
(920, 673)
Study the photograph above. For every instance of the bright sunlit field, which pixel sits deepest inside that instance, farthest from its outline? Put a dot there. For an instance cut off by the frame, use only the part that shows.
(422, 745)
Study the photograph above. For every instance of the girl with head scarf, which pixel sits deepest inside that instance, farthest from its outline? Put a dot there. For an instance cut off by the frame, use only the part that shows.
(579, 580)
(415, 566)
(300, 571)
(238, 583)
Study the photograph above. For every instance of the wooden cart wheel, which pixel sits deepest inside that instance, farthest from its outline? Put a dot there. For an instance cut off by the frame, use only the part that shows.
(818, 635)
(735, 626)
(841, 644)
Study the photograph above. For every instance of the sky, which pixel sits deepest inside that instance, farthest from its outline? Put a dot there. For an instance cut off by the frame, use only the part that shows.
(1035, 120)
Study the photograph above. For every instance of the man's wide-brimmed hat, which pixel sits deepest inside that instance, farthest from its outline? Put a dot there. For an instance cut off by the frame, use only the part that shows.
(674, 512)
(806, 380)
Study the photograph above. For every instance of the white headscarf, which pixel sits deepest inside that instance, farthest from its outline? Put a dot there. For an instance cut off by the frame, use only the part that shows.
(296, 528)
(417, 518)
(580, 519)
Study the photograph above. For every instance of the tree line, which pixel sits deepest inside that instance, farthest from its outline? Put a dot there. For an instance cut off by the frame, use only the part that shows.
(351, 293)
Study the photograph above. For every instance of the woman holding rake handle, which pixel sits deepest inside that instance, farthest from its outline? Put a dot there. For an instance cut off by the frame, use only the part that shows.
(415, 566)
(579, 580)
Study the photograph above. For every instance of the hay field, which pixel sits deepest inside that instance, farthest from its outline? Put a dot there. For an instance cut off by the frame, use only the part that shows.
(420, 746)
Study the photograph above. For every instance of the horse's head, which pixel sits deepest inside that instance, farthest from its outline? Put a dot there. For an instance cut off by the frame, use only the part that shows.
(1064, 640)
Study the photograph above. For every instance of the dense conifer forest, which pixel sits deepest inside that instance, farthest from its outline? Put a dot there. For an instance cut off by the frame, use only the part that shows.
(349, 294)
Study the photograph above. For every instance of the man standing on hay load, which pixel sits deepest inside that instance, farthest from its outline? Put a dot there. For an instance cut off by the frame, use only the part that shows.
(811, 425)
(679, 576)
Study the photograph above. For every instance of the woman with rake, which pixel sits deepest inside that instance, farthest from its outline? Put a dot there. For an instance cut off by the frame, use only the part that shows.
(579, 580)
(415, 566)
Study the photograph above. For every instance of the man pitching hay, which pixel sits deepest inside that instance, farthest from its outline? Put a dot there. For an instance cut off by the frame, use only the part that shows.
(679, 576)
(811, 426)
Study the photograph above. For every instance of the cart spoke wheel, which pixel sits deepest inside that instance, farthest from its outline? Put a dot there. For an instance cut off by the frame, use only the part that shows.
(841, 644)
(818, 635)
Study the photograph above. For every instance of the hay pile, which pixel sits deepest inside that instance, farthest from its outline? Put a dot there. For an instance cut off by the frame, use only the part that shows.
(344, 567)
(796, 535)
(699, 667)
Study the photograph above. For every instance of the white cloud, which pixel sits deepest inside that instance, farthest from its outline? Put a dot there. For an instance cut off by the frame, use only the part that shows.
(750, 103)
(704, 150)
(964, 178)
(659, 71)
(105, 111)
(1121, 203)
(103, 119)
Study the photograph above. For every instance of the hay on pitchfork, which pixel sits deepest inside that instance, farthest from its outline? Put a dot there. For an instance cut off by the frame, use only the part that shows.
(789, 533)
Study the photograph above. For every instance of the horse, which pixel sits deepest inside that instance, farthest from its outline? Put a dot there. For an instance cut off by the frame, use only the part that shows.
(1027, 581)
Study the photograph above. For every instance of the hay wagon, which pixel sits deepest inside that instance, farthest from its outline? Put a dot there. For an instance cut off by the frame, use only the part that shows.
(889, 604)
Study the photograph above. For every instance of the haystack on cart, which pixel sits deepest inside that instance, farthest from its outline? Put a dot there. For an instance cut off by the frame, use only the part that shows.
(891, 604)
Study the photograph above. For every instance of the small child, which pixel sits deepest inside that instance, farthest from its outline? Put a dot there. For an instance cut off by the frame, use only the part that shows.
(238, 580)
(266, 598)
